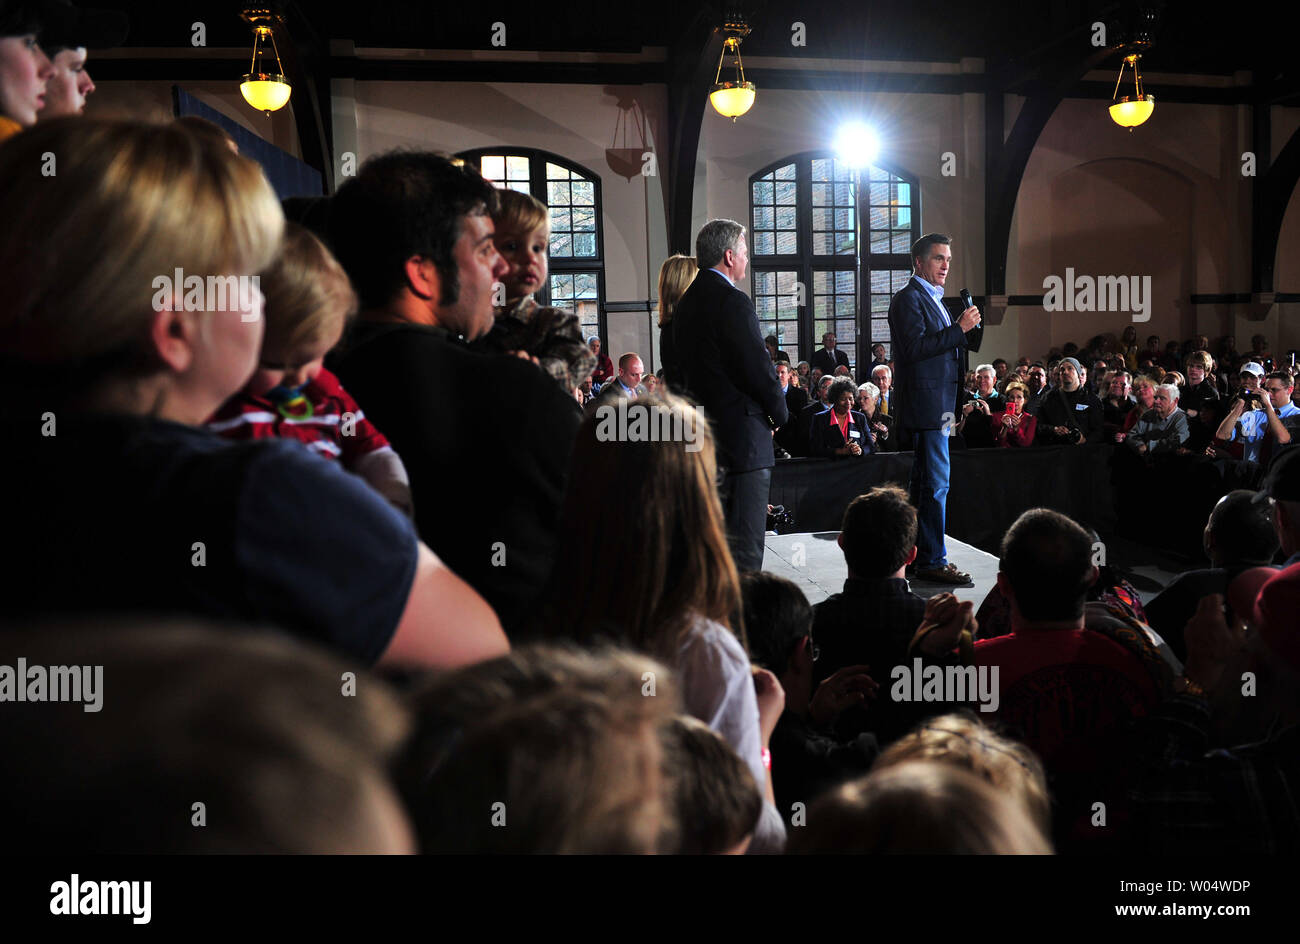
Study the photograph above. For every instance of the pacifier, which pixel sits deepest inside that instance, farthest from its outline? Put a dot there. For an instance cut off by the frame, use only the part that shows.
(291, 403)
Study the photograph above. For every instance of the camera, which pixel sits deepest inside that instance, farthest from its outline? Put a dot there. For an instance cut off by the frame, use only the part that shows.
(779, 520)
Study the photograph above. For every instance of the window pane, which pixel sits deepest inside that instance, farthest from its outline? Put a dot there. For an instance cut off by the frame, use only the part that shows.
(556, 172)
(584, 244)
(764, 217)
(585, 285)
(584, 219)
(561, 244)
(520, 186)
(785, 217)
(561, 218)
(517, 168)
(584, 193)
(902, 241)
(493, 167)
(821, 194)
(785, 173)
(786, 244)
(785, 192)
(557, 193)
(880, 242)
(764, 244)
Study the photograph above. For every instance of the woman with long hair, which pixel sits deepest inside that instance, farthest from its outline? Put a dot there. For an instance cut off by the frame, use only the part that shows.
(675, 277)
(646, 565)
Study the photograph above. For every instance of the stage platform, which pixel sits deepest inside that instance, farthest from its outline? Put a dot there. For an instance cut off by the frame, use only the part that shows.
(815, 562)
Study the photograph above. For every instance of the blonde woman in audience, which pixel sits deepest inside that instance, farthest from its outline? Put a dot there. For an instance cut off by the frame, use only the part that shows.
(131, 314)
(646, 565)
(675, 277)
(962, 740)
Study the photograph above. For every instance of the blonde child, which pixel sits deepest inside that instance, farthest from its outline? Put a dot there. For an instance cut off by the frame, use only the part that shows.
(292, 395)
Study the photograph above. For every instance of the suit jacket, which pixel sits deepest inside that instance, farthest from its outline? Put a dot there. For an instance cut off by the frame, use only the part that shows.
(827, 363)
(727, 370)
(668, 357)
(927, 359)
(796, 399)
(825, 436)
(803, 426)
(613, 390)
(888, 442)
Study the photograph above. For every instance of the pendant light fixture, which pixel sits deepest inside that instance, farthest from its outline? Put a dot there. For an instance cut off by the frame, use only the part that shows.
(265, 89)
(1129, 111)
(734, 97)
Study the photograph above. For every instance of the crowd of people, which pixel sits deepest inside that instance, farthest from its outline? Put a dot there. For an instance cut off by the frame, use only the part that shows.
(258, 503)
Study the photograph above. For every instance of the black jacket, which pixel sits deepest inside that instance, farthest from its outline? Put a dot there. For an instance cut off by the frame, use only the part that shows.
(727, 370)
(823, 360)
(668, 358)
(1080, 409)
(487, 498)
(796, 398)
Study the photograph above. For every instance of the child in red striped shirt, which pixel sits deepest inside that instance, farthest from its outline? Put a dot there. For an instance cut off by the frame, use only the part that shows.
(292, 395)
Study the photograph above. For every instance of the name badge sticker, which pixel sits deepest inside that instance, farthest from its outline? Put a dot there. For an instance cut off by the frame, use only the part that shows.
(854, 434)
(1081, 406)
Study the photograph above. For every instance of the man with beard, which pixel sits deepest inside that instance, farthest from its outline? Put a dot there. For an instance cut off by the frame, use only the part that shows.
(1070, 414)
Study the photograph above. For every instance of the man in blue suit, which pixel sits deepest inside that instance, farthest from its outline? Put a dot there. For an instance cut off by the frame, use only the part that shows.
(726, 368)
(928, 346)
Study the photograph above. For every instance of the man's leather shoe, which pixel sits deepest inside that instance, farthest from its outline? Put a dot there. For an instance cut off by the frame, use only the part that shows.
(945, 574)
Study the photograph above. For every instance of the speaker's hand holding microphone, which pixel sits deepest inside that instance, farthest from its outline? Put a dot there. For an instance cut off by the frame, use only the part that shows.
(970, 318)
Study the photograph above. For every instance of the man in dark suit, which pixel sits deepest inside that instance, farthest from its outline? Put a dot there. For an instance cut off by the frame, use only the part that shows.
(928, 346)
(828, 358)
(627, 382)
(727, 369)
(796, 398)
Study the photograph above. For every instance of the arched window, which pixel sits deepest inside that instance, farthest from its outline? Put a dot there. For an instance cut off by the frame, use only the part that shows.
(577, 251)
(803, 227)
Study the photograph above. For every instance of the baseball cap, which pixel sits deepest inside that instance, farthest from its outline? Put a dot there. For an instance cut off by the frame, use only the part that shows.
(1252, 368)
(1270, 599)
(66, 26)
